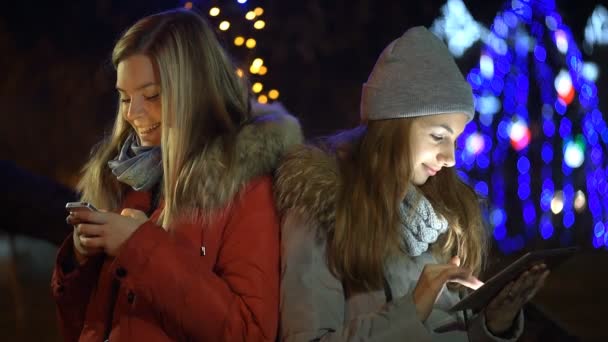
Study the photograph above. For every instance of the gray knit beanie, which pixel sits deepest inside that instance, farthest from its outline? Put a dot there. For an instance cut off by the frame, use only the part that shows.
(415, 76)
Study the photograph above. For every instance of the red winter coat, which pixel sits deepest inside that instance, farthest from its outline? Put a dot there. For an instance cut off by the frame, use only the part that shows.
(217, 281)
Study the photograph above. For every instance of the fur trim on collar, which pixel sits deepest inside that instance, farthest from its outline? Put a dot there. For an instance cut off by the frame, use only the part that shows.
(308, 181)
(260, 144)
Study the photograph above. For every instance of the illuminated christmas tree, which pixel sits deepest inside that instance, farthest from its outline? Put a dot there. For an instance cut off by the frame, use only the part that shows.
(537, 149)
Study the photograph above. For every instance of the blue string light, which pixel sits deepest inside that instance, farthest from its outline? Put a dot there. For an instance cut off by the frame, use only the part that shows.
(571, 135)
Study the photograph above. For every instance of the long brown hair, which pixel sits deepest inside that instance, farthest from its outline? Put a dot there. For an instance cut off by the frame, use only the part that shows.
(460, 205)
(375, 168)
(203, 101)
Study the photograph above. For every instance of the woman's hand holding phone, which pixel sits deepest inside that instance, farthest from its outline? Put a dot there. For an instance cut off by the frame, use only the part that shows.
(97, 232)
(81, 252)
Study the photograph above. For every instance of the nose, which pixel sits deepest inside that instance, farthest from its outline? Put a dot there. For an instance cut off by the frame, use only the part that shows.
(446, 156)
(135, 109)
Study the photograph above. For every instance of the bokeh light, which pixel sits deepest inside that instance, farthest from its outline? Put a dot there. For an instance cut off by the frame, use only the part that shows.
(214, 11)
(238, 41)
(260, 24)
(250, 43)
(557, 203)
(519, 133)
(224, 25)
(580, 201)
(257, 87)
(273, 94)
(475, 144)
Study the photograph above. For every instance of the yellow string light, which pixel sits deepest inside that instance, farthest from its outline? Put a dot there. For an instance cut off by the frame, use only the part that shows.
(258, 62)
(188, 5)
(257, 87)
(238, 41)
(214, 11)
(224, 25)
(273, 94)
(251, 43)
(250, 15)
(257, 66)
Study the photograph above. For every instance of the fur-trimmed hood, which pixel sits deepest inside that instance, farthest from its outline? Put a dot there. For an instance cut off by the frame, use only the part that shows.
(308, 181)
(260, 144)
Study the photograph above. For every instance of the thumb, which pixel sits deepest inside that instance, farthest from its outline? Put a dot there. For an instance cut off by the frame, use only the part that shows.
(134, 213)
(455, 260)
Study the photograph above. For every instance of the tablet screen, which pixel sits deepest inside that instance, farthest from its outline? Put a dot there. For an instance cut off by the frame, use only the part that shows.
(479, 298)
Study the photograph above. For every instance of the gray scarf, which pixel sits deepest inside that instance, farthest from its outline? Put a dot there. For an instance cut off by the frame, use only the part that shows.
(138, 166)
(421, 224)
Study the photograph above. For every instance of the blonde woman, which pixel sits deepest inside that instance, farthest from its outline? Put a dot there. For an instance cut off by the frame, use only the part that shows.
(187, 247)
(377, 223)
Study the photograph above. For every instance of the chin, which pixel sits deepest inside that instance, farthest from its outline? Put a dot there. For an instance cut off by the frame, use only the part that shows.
(145, 143)
(420, 180)
(149, 141)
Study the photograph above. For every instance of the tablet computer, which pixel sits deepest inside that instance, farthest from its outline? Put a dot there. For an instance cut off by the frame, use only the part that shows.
(481, 297)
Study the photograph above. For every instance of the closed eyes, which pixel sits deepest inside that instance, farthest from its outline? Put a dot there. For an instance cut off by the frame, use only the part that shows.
(437, 138)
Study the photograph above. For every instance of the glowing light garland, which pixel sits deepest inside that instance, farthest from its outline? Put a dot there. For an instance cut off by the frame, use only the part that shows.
(252, 23)
(570, 138)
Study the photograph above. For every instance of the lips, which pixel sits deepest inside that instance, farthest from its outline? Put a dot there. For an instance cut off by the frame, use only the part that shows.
(149, 129)
(431, 171)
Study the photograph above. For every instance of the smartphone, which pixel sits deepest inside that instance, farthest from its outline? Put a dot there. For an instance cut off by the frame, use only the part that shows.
(79, 206)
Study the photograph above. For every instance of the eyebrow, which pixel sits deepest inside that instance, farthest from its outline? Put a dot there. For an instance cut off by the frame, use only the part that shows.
(140, 87)
(446, 127)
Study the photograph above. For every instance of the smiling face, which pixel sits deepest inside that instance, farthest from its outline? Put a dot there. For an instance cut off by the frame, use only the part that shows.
(138, 85)
(432, 143)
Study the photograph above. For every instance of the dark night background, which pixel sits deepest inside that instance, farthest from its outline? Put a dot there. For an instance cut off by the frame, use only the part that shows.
(57, 98)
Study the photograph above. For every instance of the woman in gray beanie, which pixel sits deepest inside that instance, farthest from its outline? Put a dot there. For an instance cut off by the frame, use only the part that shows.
(378, 232)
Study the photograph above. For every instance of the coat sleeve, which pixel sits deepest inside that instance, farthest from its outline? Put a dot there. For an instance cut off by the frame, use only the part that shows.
(238, 300)
(478, 330)
(71, 287)
(313, 302)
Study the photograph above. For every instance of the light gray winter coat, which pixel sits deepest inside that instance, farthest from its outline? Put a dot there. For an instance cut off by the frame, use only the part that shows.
(314, 303)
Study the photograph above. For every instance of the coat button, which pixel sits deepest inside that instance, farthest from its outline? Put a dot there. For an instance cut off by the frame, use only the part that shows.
(121, 272)
(130, 297)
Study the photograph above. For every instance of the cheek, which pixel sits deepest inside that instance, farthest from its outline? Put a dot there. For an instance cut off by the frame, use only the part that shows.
(154, 111)
(420, 152)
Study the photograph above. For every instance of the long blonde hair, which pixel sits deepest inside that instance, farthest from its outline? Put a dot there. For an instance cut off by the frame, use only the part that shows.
(203, 101)
(375, 168)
